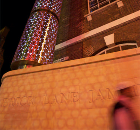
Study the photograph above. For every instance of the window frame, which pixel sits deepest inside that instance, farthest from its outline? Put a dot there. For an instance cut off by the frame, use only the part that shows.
(119, 45)
(110, 3)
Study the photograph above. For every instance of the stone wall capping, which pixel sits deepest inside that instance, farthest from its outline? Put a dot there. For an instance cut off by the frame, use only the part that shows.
(131, 51)
(87, 60)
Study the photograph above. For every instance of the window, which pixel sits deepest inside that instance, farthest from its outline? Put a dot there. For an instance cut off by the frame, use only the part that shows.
(119, 47)
(114, 49)
(126, 47)
(96, 4)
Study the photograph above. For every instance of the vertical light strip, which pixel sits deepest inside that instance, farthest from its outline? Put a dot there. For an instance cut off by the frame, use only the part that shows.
(44, 42)
(38, 40)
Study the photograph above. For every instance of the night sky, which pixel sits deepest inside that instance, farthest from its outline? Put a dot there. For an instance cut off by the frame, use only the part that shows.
(14, 14)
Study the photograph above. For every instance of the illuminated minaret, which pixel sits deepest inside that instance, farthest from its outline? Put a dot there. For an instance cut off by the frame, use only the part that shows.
(38, 40)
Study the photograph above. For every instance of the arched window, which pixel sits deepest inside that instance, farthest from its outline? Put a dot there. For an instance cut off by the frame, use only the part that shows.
(119, 47)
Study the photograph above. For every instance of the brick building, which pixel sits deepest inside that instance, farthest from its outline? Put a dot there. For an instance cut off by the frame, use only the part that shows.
(85, 26)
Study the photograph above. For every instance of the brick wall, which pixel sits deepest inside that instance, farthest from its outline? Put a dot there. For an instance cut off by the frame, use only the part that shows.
(73, 95)
(71, 19)
(111, 13)
(127, 32)
(74, 51)
(73, 23)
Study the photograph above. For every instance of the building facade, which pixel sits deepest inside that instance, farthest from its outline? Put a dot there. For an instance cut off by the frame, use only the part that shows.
(86, 28)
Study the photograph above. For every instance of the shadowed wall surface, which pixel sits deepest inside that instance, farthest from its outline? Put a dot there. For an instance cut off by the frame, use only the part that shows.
(71, 95)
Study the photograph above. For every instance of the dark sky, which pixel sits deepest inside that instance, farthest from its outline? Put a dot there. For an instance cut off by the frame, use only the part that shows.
(14, 14)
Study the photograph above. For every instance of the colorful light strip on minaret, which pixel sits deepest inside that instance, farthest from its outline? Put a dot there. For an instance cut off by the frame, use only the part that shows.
(38, 40)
